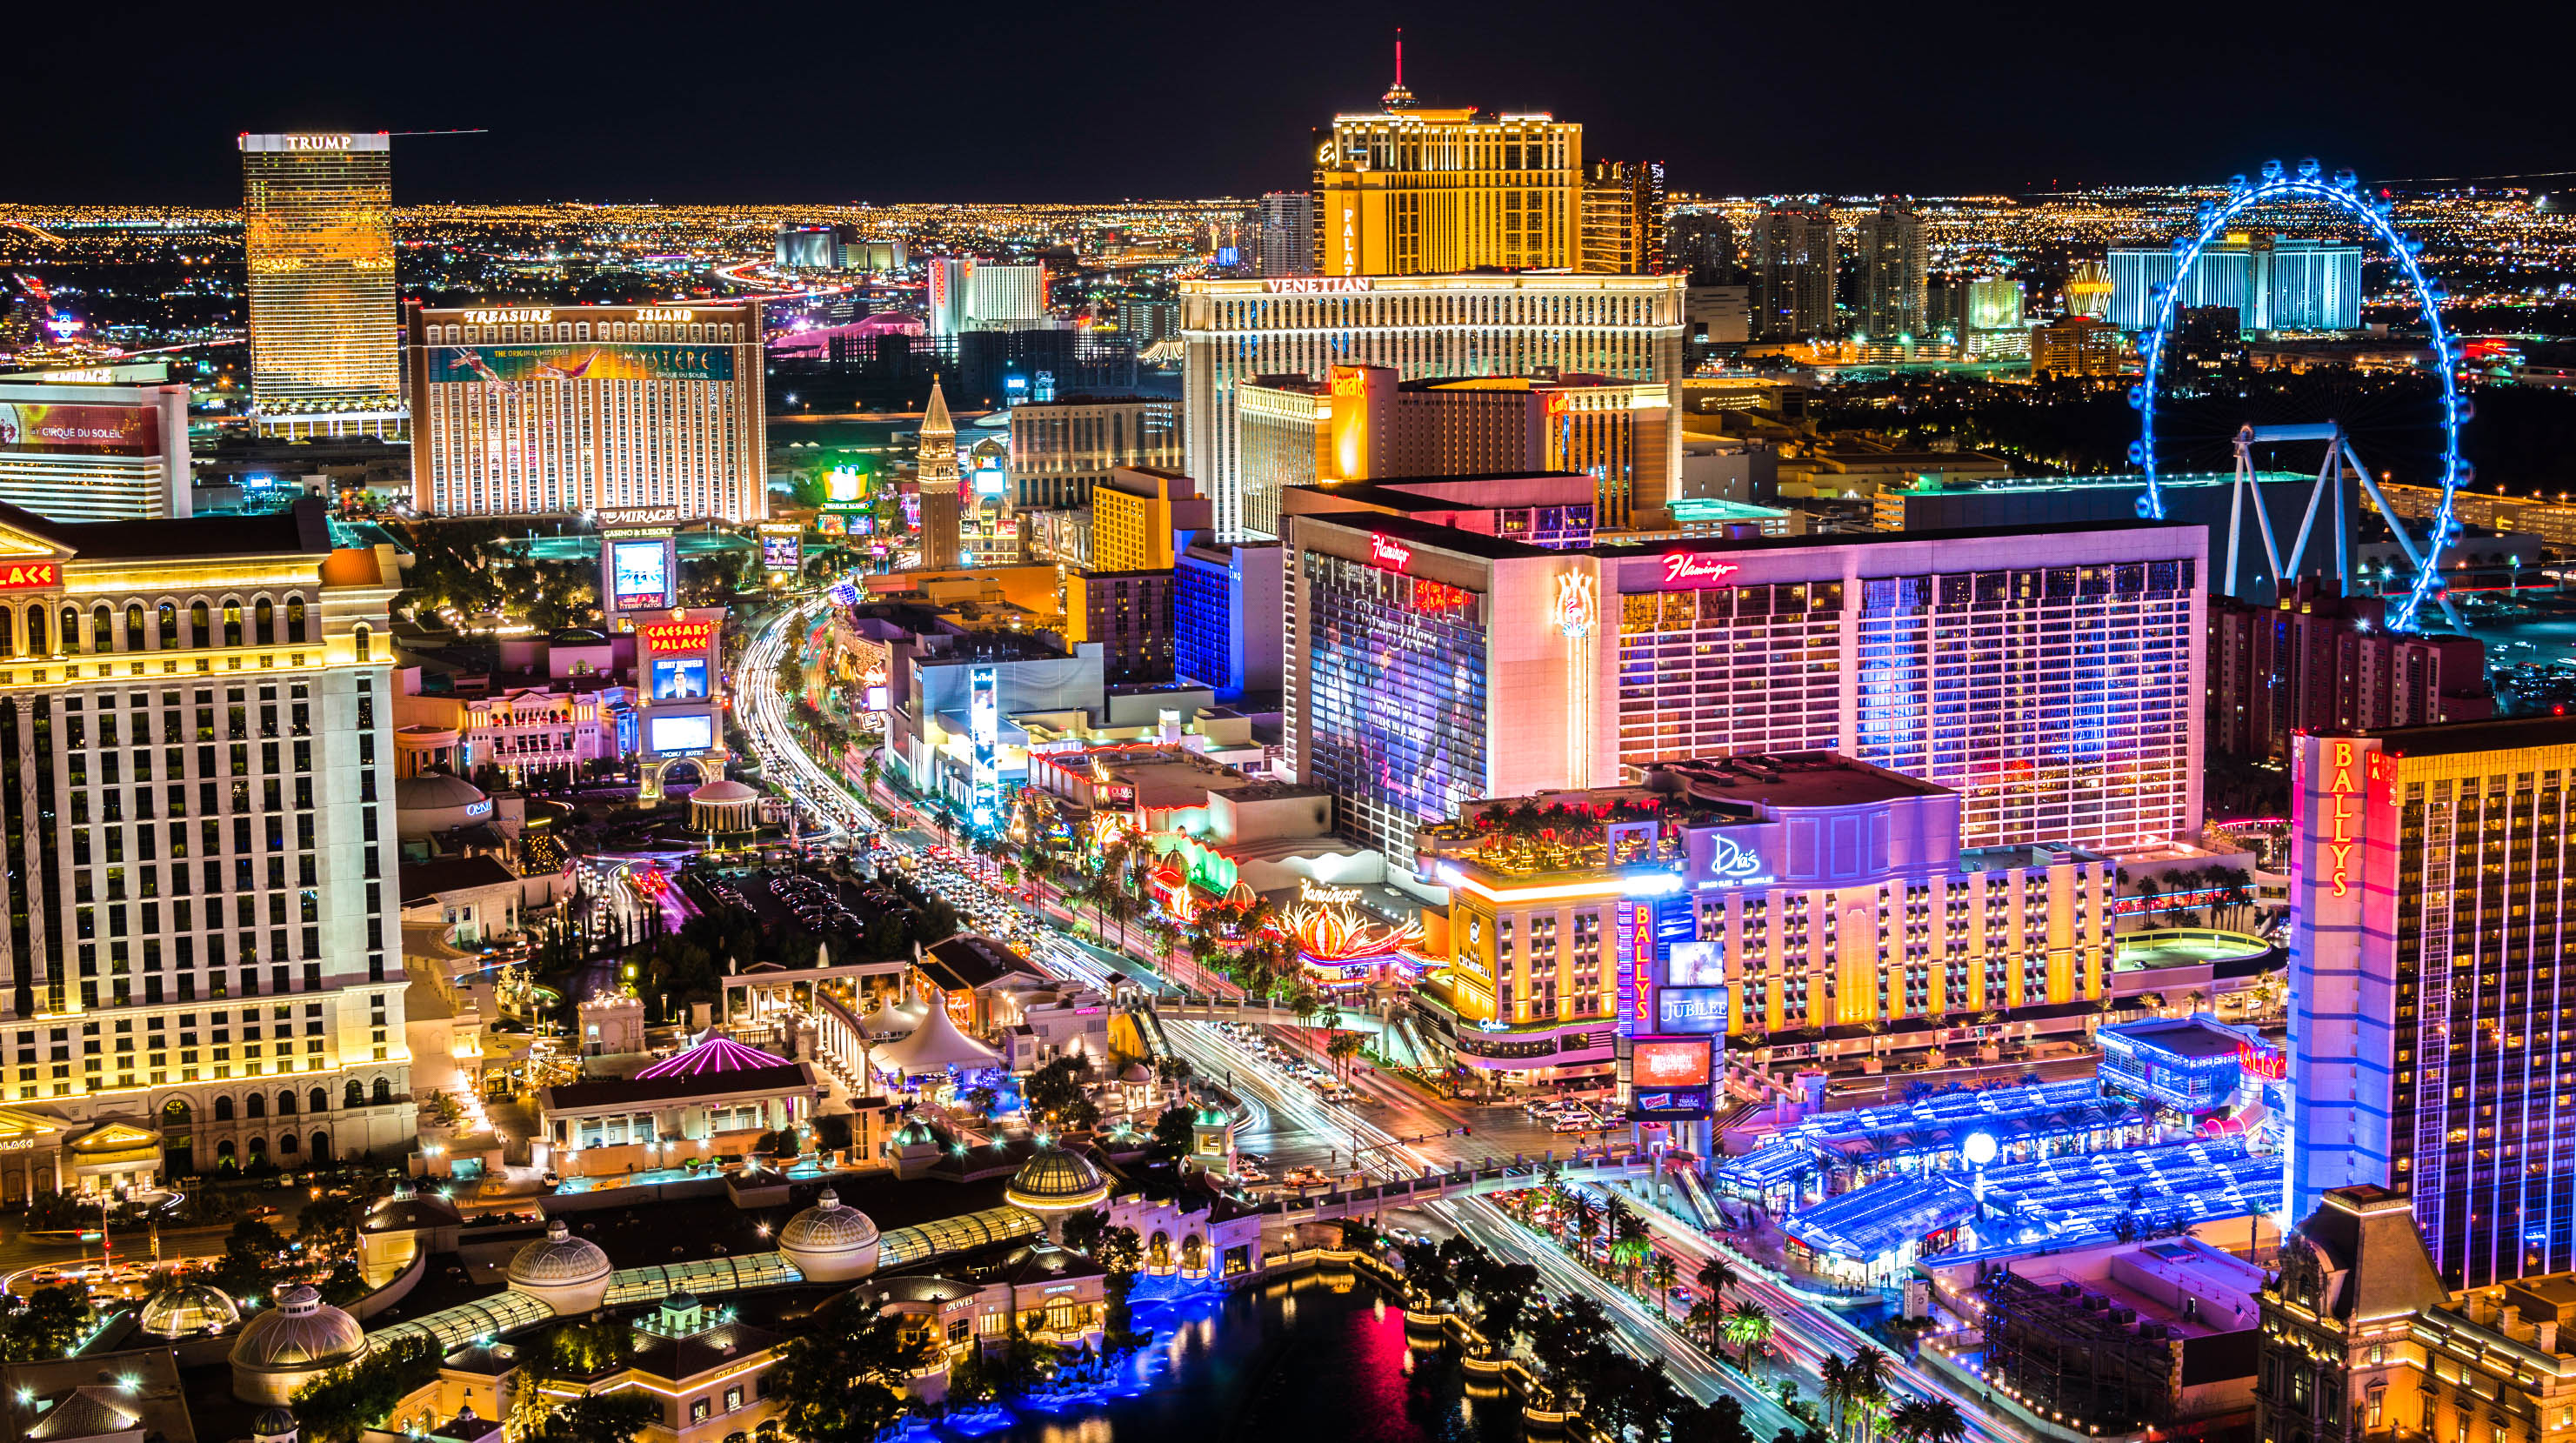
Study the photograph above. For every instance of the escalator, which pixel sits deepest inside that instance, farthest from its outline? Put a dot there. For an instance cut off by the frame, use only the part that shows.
(1152, 1028)
(1710, 1219)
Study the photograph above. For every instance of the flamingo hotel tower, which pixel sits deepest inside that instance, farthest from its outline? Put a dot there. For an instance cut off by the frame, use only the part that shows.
(635, 413)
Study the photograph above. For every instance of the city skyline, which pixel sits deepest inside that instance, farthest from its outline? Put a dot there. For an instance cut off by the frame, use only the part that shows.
(951, 115)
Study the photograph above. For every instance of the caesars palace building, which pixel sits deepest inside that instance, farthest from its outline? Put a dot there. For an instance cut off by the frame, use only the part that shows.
(1498, 323)
(200, 967)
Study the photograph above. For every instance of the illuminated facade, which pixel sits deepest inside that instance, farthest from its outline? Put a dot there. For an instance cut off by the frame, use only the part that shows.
(2426, 946)
(325, 335)
(2076, 348)
(2049, 676)
(1626, 329)
(2272, 282)
(1757, 896)
(1623, 218)
(938, 482)
(1406, 191)
(1365, 423)
(1893, 277)
(95, 453)
(552, 410)
(1063, 448)
(1135, 513)
(1793, 273)
(196, 762)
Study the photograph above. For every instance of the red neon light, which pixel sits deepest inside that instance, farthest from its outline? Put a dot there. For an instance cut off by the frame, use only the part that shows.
(1385, 551)
(1692, 568)
(2262, 1062)
(678, 635)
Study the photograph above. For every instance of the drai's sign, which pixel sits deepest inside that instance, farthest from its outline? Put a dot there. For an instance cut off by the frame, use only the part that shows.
(506, 318)
(1316, 285)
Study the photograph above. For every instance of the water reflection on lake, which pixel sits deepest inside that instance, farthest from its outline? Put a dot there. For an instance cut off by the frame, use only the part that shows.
(1293, 1362)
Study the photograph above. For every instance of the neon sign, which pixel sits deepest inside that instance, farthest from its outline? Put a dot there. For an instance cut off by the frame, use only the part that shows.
(1388, 552)
(1348, 381)
(18, 575)
(653, 313)
(678, 635)
(2267, 1063)
(1694, 568)
(502, 318)
(1316, 285)
(1733, 861)
(2344, 782)
(1578, 605)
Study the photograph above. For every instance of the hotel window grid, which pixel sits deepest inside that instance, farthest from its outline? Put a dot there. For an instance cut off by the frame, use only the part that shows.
(318, 236)
(1625, 327)
(2484, 1068)
(1738, 669)
(1395, 671)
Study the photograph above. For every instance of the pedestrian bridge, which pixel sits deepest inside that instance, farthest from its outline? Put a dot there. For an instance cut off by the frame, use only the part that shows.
(1198, 1007)
(1465, 1180)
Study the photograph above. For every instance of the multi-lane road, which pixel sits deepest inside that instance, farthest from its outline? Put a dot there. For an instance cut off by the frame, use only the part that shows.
(1396, 1131)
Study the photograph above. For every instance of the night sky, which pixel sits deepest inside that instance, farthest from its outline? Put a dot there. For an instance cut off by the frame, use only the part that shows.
(1011, 101)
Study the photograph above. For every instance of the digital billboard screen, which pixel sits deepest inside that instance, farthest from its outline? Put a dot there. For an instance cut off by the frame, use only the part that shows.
(1671, 1078)
(680, 678)
(1671, 1062)
(782, 550)
(1691, 1009)
(681, 734)
(28, 428)
(577, 361)
(641, 572)
(1695, 964)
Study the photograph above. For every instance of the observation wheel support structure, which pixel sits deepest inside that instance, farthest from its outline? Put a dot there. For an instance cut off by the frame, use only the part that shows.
(2341, 193)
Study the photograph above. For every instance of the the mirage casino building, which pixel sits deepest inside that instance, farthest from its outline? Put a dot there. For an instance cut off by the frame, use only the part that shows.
(2050, 677)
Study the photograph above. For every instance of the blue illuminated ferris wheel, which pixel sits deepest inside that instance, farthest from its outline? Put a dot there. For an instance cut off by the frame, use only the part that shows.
(2209, 227)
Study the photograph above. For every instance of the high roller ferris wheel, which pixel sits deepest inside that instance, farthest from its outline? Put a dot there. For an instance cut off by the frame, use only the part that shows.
(2341, 192)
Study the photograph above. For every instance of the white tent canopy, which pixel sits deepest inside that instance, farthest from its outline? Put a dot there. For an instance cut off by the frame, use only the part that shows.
(888, 1020)
(935, 1046)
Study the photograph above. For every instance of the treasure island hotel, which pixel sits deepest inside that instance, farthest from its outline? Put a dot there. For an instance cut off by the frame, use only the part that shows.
(324, 335)
(199, 969)
(614, 410)
(1445, 245)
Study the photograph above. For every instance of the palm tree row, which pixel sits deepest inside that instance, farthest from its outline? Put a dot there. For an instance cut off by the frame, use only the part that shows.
(1861, 1406)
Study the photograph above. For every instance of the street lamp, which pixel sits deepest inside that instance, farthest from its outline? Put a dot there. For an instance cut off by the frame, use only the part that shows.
(1978, 1148)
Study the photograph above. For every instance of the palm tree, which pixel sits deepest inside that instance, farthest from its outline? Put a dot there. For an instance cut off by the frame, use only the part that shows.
(1661, 1273)
(1747, 1327)
(1715, 1277)
(1926, 1420)
(1865, 1381)
(1703, 1322)
(1587, 1224)
(1344, 1047)
(1834, 1384)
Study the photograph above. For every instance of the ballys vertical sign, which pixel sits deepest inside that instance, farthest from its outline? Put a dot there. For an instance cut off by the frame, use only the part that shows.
(2354, 778)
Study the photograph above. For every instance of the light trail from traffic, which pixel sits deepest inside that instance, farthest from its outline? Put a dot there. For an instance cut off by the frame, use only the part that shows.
(1805, 1333)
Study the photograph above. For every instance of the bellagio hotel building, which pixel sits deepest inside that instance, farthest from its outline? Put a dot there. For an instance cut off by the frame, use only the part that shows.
(553, 410)
(200, 968)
